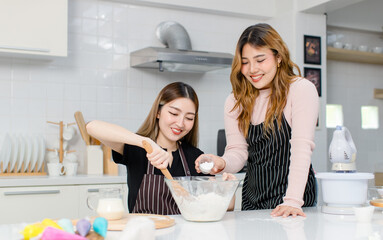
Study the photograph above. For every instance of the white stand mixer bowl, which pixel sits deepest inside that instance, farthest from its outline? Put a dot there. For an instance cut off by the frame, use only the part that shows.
(344, 190)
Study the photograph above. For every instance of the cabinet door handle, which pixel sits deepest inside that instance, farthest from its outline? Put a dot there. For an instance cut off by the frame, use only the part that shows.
(93, 190)
(31, 192)
(25, 48)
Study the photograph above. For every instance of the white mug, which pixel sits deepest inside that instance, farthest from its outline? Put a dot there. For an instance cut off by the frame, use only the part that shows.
(53, 157)
(363, 48)
(348, 46)
(55, 169)
(70, 157)
(338, 45)
(377, 49)
(69, 132)
(70, 168)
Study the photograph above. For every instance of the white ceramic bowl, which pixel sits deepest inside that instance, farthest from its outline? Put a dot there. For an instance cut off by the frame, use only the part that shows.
(344, 189)
(206, 199)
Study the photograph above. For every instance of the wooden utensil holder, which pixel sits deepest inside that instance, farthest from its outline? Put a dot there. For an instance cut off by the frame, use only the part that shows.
(61, 145)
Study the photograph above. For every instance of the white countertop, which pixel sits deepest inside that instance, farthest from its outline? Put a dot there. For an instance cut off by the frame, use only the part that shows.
(22, 181)
(259, 224)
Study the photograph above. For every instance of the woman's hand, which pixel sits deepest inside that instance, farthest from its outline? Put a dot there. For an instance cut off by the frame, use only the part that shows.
(286, 211)
(219, 163)
(159, 158)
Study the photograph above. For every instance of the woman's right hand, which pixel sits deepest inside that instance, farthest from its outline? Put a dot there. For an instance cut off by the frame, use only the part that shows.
(159, 158)
(219, 163)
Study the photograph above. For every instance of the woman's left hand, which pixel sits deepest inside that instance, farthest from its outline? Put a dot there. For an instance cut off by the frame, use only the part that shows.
(286, 211)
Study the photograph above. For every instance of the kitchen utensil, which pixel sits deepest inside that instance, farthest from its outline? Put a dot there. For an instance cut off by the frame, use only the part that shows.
(342, 150)
(95, 162)
(211, 196)
(180, 190)
(160, 221)
(110, 167)
(109, 203)
(149, 149)
(344, 188)
(82, 127)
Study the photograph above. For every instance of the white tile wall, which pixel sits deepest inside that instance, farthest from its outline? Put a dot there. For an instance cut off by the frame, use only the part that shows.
(96, 78)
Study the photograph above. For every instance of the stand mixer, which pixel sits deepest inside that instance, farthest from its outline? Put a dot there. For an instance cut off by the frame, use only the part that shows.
(342, 151)
(344, 188)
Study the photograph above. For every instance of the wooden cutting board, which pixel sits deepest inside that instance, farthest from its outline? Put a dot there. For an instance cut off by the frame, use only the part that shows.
(160, 221)
(377, 203)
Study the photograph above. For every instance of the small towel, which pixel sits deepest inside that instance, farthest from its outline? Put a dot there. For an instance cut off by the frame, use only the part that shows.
(139, 228)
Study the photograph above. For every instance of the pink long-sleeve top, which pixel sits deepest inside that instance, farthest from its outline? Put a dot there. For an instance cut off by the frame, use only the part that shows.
(301, 113)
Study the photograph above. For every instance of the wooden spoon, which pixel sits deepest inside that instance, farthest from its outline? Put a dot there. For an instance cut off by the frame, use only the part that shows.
(177, 187)
(82, 127)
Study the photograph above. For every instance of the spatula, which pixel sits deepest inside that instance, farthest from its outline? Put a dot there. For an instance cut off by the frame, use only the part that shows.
(81, 126)
(177, 187)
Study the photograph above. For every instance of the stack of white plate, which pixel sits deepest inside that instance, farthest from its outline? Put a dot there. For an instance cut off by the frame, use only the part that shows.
(18, 151)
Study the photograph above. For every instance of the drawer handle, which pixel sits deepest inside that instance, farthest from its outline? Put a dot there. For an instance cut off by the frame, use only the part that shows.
(25, 48)
(31, 192)
(93, 190)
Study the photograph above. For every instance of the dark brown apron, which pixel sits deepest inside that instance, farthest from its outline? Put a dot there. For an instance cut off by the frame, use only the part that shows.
(154, 196)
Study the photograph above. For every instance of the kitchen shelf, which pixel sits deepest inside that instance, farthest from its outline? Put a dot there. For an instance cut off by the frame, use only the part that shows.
(354, 56)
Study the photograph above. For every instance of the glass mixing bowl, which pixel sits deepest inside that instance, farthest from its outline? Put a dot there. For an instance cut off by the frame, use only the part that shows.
(202, 199)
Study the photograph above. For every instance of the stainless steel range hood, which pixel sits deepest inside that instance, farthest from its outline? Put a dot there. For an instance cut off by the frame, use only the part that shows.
(175, 60)
(178, 55)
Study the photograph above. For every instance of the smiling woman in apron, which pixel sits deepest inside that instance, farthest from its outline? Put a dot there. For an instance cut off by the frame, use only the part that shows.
(171, 128)
(270, 121)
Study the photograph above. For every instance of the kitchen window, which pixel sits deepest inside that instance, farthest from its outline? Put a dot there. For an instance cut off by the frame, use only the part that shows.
(370, 117)
(334, 115)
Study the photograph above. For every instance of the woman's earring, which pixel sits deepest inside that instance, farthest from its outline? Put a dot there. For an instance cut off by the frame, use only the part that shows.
(279, 64)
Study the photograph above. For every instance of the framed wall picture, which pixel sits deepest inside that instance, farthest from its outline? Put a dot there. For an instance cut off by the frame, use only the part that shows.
(314, 76)
(312, 50)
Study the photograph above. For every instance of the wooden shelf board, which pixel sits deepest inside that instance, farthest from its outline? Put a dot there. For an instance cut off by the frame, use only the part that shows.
(354, 56)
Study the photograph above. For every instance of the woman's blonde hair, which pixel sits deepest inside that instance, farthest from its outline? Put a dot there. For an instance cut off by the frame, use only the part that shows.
(262, 35)
(172, 91)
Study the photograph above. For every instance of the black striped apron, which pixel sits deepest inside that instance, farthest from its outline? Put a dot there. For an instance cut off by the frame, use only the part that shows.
(268, 164)
(154, 196)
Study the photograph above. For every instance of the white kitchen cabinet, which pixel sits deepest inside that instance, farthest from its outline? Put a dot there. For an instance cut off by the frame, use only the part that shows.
(29, 204)
(34, 27)
(91, 191)
(35, 203)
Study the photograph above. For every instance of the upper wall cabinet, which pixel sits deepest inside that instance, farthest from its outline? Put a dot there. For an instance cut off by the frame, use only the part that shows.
(34, 27)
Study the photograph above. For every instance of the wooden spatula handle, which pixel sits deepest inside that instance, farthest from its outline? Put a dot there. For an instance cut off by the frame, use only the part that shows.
(149, 149)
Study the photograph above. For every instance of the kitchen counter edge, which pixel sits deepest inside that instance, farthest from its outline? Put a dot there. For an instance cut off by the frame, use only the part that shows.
(28, 181)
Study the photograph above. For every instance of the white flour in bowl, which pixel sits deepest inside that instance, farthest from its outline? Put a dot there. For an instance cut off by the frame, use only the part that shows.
(205, 207)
